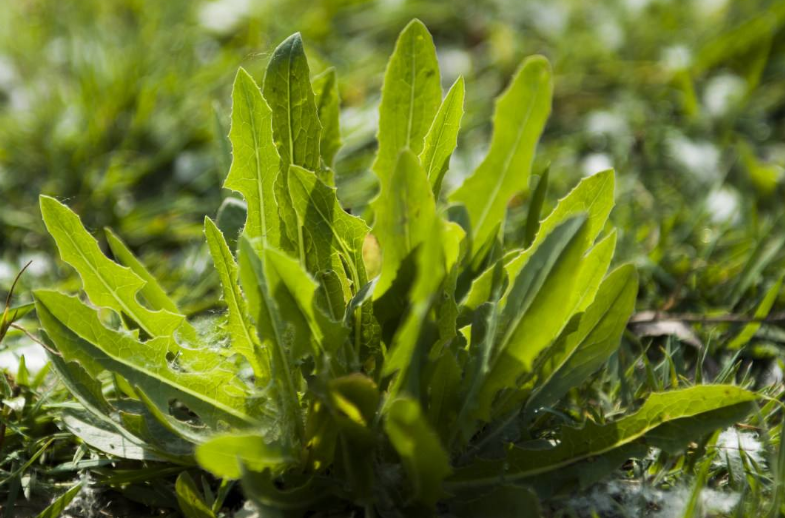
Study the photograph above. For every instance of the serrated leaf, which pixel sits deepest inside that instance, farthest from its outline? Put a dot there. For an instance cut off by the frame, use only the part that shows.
(325, 87)
(287, 88)
(152, 291)
(296, 126)
(283, 332)
(255, 160)
(423, 456)
(333, 238)
(194, 377)
(411, 96)
(226, 455)
(239, 326)
(404, 217)
(518, 121)
(106, 283)
(442, 137)
(586, 349)
(666, 419)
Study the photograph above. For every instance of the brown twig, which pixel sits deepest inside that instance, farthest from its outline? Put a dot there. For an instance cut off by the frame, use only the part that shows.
(659, 316)
(34, 338)
(13, 286)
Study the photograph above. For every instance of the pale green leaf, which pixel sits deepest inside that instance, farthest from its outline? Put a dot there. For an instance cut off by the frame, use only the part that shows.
(325, 87)
(442, 137)
(668, 420)
(160, 370)
(106, 283)
(534, 315)
(411, 96)
(593, 196)
(152, 291)
(255, 160)
(404, 217)
(521, 112)
(105, 436)
(296, 126)
(225, 455)
(239, 326)
(570, 362)
(332, 237)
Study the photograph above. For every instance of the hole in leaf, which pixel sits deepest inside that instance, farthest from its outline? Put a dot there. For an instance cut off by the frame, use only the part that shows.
(182, 413)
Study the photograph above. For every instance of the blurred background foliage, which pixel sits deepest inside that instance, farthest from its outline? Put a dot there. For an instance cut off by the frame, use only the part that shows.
(121, 108)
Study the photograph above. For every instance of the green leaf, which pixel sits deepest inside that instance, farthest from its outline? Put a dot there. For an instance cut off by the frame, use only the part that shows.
(325, 86)
(594, 266)
(239, 326)
(59, 506)
(333, 238)
(541, 296)
(106, 283)
(431, 271)
(226, 455)
(507, 501)
(255, 160)
(162, 372)
(442, 137)
(231, 218)
(404, 217)
(521, 112)
(152, 292)
(296, 126)
(761, 312)
(535, 208)
(582, 352)
(423, 457)
(534, 315)
(411, 96)
(444, 390)
(592, 196)
(294, 499)
(667, 420)
(281, 328)
(105, 436)
(191, 503)
(79, 383)
(287, 87)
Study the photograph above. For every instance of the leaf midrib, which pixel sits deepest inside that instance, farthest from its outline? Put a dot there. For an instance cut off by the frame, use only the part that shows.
(508, 159)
